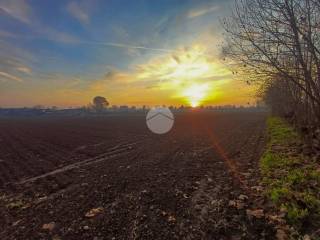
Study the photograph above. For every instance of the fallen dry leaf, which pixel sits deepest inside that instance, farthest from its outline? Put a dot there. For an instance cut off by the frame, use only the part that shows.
(243, 197)
(258, 213)
(275, 218)
(93, 212)
(185, 196)
(16, 223)
(237, 204)
(257, 188)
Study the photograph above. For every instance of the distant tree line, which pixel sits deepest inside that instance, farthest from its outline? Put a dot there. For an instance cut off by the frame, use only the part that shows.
(276, 44)
(100, 105)
(104, 109)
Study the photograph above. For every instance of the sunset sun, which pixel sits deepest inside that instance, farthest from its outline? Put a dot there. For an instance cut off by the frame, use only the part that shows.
(195, 94)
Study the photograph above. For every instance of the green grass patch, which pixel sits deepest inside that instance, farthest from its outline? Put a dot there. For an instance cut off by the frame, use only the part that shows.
(280, 132)
(292, 182)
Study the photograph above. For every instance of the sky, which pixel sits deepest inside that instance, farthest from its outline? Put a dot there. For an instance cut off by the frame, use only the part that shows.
(133, 52)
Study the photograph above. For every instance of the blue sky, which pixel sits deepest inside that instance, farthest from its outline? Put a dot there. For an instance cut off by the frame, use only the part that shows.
(65, 52)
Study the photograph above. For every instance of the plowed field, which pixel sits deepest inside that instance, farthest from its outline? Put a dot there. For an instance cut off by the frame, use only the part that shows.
(111, 178)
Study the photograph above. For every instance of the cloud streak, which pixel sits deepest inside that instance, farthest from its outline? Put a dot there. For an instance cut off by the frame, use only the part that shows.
(55, 36)
(17, 9)
(10, 77)
(25, 70)
(127, 46)
(78, 11)
(202, 11)
(15, 61)
(22, 11)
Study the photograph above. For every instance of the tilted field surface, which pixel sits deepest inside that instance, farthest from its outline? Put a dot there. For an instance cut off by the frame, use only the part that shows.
(138, 185)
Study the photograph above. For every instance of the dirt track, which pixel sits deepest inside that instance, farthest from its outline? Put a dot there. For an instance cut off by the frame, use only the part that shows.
(181, 185)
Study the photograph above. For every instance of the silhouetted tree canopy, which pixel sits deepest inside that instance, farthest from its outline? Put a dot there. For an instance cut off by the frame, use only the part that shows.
(100, 103)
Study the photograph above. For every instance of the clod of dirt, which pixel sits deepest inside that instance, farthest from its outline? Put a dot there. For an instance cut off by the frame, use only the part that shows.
(306, 237)
(86, 228)
(163, 213)
(93, 212)
(281, 235)
(48, 226)
(171, 219)
(237, 204)
(56, 237)
(258, 213)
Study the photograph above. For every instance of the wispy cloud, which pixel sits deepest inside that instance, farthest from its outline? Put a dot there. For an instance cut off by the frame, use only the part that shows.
(22, 11)
(128, 46)
(78, 10)
(14, 59)
(23, 69)
(180, 66)
(10, 77)
(56, 36)
(201, 11)
(18, 9)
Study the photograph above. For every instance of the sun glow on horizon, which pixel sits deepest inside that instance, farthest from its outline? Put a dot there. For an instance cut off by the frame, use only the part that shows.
(196, 93)
(189, 75)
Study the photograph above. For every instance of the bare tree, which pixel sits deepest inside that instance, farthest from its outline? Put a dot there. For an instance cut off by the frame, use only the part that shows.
(279, 40)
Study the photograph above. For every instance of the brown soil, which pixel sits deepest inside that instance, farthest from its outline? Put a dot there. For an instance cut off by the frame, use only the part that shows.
(111, 178)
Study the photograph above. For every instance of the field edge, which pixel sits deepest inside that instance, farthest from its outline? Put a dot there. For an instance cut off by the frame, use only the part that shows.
(292, 181)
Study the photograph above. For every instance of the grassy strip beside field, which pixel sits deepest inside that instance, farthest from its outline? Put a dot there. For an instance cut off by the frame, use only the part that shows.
(292, 181)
